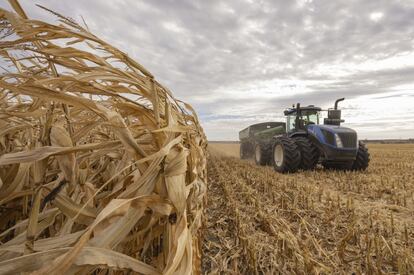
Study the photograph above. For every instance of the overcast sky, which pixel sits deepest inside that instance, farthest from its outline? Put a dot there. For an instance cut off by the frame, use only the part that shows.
(241, 62)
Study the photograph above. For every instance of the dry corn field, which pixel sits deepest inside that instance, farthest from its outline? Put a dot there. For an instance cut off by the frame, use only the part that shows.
(314, 222)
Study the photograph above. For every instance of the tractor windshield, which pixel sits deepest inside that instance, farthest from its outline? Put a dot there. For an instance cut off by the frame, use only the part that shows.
(306, 118)
(311, 118)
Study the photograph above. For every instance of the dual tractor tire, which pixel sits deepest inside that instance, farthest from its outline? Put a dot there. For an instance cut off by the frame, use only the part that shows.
(292, 154)
(286, 156)
(309, 153)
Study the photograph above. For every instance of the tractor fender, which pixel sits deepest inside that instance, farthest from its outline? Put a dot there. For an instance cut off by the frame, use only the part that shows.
(298, 134)
(277, 136)
(318, 139)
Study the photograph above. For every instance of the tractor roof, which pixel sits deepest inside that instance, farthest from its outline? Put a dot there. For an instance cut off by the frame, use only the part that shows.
(309, 108)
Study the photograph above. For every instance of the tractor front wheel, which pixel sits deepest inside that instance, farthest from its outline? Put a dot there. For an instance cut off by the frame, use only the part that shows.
(309, 153)
(286, 155)
(362, 160)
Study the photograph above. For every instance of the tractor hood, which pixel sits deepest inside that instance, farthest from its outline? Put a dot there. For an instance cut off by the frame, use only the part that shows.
(327, 135)
(335, 129)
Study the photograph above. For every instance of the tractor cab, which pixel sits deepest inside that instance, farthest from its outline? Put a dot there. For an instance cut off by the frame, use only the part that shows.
(298, 118)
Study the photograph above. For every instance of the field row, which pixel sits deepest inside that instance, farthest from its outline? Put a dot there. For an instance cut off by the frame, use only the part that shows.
(321, 221)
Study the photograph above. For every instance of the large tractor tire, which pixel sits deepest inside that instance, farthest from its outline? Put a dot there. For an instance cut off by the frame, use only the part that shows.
(286, 155)
(362, 160)
(309, 153)
(261, 154)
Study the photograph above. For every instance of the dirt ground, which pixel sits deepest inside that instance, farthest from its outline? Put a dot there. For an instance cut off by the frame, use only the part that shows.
(312, 222)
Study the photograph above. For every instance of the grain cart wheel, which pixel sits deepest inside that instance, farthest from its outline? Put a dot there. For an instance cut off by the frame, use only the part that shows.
(260, 155)
(286, 155)
(362, 159)
(243, 153)
(309, 153)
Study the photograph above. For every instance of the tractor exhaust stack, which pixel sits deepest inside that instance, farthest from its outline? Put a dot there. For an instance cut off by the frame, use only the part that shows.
(334, 115)
(337, 101)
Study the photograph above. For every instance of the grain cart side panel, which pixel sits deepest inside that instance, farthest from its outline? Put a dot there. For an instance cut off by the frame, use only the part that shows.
(260, 133)
(270, 133)
(244, 134)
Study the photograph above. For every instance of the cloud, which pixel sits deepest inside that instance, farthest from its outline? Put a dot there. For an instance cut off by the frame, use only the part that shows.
(240, 62)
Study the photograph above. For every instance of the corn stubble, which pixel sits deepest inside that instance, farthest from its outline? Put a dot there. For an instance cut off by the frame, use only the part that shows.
(315, 222)
(102, 170)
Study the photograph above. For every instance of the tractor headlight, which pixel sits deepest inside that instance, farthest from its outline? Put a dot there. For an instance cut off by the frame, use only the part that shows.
(338, 141)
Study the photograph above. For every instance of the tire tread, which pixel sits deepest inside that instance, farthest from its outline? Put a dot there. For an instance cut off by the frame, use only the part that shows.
(291, 155)
(362, 160)
(309, 153)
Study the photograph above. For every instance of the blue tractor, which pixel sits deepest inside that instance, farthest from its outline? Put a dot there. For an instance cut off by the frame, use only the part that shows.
(306, 142)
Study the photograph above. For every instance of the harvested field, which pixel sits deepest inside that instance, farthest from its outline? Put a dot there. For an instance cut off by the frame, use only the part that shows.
(225, 149)
(259, 221)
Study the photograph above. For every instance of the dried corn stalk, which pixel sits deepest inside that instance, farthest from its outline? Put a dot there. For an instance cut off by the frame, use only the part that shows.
(100, 168)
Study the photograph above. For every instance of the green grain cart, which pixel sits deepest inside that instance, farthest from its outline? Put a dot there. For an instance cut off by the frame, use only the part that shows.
(256, 140)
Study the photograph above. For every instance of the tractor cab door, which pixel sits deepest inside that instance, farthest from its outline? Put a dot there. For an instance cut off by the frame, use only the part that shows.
(291, 122)
(295, 123)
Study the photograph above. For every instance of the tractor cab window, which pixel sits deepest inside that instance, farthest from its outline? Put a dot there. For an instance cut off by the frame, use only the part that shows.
(311, 118)
(290, 122)
(306, 118)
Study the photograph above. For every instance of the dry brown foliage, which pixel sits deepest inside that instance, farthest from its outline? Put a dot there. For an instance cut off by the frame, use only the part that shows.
(313, 222)
(102, 170)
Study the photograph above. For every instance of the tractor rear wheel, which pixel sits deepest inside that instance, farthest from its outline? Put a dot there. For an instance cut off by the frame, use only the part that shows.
(309, 153)
(261, 156)
(286, 155)
(362, 159)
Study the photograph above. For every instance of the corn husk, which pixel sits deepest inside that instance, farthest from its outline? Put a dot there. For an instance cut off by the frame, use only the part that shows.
(101, 168)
